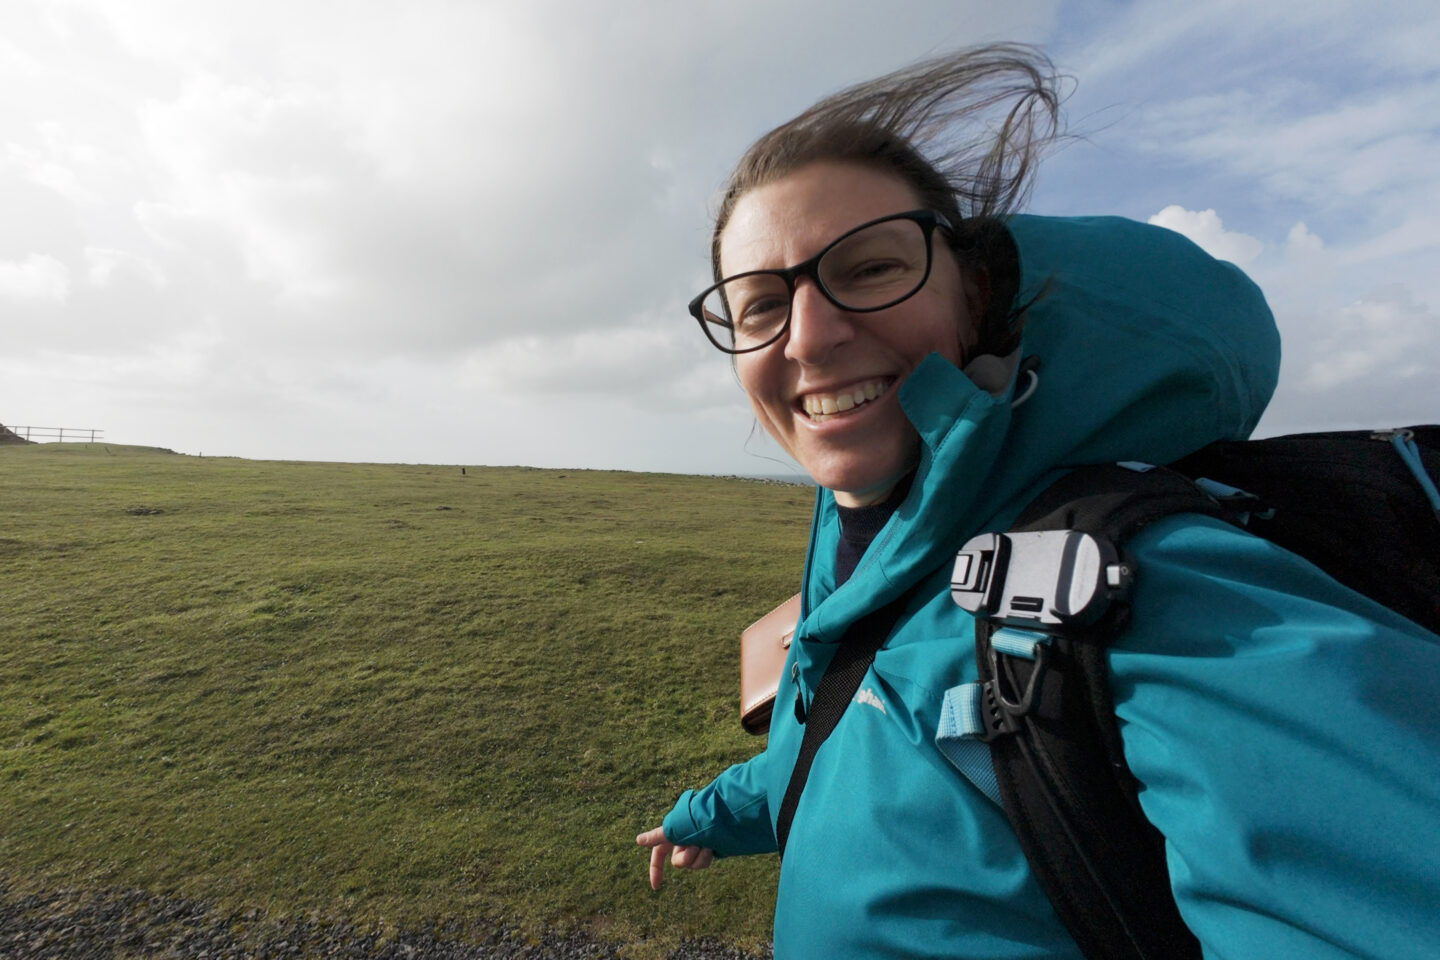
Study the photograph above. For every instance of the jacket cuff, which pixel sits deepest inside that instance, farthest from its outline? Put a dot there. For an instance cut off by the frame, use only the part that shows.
(680, 827)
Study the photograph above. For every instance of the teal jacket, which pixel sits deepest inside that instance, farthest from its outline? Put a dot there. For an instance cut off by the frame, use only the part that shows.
(1286, 730)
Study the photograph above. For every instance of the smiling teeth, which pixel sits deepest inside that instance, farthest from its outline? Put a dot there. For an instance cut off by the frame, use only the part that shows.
(821, 406)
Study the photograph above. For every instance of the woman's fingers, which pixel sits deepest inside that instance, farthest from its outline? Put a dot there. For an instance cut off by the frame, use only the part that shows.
(657, 864)
(686, 857)
(659, 849)
(692, 858)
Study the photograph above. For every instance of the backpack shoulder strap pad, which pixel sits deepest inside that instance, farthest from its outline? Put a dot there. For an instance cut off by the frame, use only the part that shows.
(1056, 752)
(1061, 566)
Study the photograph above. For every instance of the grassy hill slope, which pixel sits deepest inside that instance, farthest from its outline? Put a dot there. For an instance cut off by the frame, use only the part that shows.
(373, 691)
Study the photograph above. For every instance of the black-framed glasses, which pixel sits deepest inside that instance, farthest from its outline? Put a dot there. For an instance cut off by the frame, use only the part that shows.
(874, 266)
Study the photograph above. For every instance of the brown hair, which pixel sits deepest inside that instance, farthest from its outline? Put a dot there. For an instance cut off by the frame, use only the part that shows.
(964, 130)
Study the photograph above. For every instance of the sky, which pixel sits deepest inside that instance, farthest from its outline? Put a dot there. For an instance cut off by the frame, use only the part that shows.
(465, 232)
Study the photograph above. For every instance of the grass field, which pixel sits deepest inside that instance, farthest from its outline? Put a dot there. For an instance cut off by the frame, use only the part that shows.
(384, 693)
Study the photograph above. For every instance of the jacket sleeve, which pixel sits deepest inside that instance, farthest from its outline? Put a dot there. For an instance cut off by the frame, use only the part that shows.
(1286, 733)
(730, 815)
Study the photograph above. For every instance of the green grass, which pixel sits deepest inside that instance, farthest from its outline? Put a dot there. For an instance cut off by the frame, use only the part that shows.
(383, 693)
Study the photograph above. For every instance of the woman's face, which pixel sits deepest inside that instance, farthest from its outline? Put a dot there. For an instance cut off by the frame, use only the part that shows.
(832, 359)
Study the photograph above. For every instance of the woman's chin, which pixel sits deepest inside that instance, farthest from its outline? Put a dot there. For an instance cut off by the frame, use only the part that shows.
(860, 490)
(864, 476)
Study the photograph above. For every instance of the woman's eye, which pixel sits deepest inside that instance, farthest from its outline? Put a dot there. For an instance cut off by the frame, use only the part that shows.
(763, 310)
(872, 270)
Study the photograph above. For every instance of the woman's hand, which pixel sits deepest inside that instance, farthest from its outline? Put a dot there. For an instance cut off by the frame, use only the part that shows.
(685, 858)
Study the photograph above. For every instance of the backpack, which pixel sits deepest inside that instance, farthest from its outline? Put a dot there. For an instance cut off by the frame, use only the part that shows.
(1049, 593)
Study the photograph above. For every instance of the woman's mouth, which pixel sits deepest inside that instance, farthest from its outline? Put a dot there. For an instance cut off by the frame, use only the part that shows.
(820, 407)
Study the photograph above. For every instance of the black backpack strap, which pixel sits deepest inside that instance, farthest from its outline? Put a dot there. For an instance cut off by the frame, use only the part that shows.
(1060, 766)
(853, 656)
(1349, 502)
(1115, 501)
(1361, 505)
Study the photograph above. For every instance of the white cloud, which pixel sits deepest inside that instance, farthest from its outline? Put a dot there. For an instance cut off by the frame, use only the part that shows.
(1362, 156)
(265, 165)
(1409, 45)
(37, 277)
(106, 265)
(47, 173)
(1365, 364)
(1415, 233)
(655, 362)
(1205, 229)
(1301, 242)
(410, 231)
(1386, 334)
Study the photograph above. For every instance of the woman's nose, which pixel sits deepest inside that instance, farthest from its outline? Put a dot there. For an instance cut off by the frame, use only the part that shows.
(817, 326)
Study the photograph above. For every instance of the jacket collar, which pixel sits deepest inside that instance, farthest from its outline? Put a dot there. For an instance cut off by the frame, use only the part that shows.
(962, 428)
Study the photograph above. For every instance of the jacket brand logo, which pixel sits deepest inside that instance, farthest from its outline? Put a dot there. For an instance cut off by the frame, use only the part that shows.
(867, 697)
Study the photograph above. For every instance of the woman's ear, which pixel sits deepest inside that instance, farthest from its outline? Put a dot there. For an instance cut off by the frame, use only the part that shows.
(975, 288)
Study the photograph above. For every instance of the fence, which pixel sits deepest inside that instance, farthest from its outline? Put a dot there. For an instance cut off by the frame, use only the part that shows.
(58, 434)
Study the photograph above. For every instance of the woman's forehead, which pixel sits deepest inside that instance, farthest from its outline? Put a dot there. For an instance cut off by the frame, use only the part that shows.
(792, 218)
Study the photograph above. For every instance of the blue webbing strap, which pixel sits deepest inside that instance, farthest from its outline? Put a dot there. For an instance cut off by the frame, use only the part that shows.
(1014, 642)
(957, 738)
(958, 734)
(1404, 444)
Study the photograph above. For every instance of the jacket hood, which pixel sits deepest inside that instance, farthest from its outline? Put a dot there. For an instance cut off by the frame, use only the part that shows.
(1145, 348)
(1148, 347)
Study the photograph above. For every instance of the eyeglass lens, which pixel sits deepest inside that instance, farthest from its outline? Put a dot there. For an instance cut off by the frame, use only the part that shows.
(866, 270)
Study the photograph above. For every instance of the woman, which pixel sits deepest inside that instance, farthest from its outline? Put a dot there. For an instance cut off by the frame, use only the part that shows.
(1283, 727)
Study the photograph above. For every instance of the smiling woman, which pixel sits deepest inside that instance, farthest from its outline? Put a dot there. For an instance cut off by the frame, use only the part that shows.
(804, 391)
(934, 359)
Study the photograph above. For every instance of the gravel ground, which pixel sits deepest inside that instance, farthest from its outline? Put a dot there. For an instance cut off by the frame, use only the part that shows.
(72, 925)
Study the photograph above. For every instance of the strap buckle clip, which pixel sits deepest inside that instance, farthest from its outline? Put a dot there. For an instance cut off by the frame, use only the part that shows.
(1001, 714)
